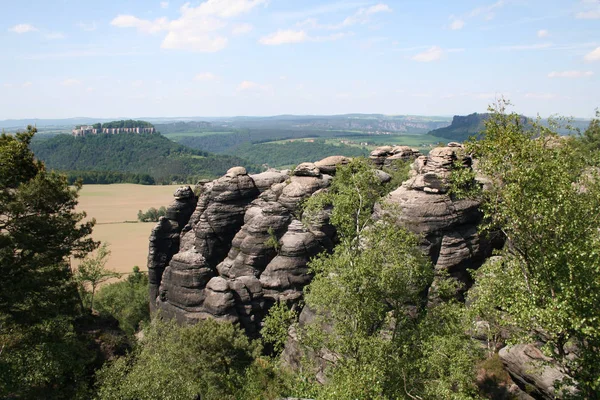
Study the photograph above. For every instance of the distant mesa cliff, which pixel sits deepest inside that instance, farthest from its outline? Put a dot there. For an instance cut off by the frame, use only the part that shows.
(114, 128)
(462, 127)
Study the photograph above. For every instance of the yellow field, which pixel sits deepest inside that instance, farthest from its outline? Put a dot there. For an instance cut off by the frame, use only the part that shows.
(111, 205)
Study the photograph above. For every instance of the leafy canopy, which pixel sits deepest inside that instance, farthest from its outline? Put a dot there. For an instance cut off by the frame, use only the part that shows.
(545, 198)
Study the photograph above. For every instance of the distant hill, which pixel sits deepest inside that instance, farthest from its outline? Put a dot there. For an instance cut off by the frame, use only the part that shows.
(462, 127)
(152, 154)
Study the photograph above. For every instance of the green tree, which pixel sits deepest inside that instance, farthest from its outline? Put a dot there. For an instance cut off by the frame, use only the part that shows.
(92, 272)
(369, 296)
(40, 354)
(545, 199)
(207, 360)
(126, 300)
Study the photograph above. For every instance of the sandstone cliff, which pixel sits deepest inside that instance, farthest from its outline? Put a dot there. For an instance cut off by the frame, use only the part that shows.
(240, 246)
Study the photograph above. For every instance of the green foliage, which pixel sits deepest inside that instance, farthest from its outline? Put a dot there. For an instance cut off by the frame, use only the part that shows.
(130, 123)
(589, 141)
(272, 242)
(152, 215)
(353, 193)
(368, 296)
(40, 354)
(399, 171)
(463, 183)
(282, 154)
(546, 285)
(151, 154)
(92, 272)
(107, 177)
(207, 360)
(276, 325)
(127, 301)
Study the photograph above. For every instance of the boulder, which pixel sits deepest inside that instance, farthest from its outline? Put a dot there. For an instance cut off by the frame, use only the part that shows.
(307, 169)
(328, 165)
(533, 371)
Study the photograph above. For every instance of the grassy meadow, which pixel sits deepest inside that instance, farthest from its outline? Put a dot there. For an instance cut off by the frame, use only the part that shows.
(115, 209)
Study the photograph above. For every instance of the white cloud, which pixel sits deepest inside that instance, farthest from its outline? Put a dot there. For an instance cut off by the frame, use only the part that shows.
(570, 74)
(55, 36)
(27, 84)
(247, 85)
(23, 28)
(361, 16)
(592, 10)
(434, 53)
(142, 25)
(543, 33)
(594, 55)
(299, 36)
(591, 14)
(222, 8)
(197, 29)
(205, 76)
(164, 4)
(87, 26)
(71, 82)
(487, 11)
(284, 37)
(240, 29)
(457, 24)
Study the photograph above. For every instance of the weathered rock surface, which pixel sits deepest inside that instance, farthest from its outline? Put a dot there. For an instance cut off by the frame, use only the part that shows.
(243, 247)
(385, 156)
(164, 239)
(531, 369)
(448, 225)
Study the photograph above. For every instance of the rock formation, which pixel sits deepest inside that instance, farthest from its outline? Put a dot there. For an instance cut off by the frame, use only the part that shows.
(448, 226)
(164, 239)
(531, 369)
(242, 248)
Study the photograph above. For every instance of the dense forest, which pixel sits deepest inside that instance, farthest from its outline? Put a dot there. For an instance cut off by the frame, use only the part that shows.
(130, 123)
(296, 152)
(228, 142)
(148, 154)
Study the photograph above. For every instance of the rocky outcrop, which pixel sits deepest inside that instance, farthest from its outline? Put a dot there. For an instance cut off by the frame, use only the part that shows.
(164, 239)
(385, 156)
(533, 371)
(243, 248)
(448, 225)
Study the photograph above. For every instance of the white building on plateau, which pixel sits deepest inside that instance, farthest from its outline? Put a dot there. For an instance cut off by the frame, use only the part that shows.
(90, 130)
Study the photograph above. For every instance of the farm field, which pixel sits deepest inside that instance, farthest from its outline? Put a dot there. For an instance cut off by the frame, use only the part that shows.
(112, 206)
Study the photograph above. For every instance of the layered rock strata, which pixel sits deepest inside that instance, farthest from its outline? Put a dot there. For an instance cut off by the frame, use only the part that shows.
(448, 226)
(244, 248)
(165, 237)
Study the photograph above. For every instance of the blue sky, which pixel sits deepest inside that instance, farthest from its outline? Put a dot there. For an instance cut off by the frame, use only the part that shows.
(136, 58)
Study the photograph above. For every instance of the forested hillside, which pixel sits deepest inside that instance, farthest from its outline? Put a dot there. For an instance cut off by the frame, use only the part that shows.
(151, 154)
(289, 153)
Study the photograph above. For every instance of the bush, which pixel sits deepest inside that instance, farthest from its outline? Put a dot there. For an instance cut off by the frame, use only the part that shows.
(126, 300)
(152, 215)
(208, 360)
